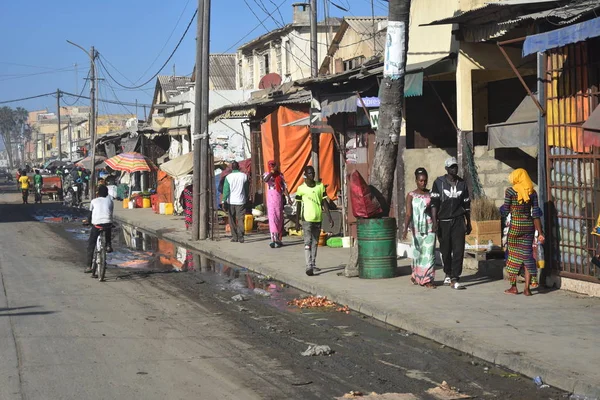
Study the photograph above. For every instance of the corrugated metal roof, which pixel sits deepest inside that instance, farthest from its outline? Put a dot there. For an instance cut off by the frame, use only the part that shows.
(170, 84)
(500, 11)
(566, 14)
(222, 71)
(368, 27)
(288, 94)
(374, 69)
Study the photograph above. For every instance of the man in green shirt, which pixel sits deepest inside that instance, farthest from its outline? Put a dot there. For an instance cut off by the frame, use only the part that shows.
(38, 182)
(311, 200)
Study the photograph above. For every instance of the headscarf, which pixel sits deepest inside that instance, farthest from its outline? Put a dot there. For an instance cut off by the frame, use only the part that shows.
(277, 177)
(522, 184)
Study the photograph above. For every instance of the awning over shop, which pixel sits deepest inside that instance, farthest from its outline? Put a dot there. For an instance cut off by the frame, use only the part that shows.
(338, 103)
(179, 166)
(521, 129)
(562, 37)
(591, 129)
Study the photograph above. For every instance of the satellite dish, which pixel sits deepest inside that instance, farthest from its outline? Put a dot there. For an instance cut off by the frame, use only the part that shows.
(269, 81)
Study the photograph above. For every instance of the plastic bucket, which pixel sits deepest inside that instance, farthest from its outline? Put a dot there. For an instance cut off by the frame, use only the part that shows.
(168, 208)
(125, 203)
(162, 208)
(146, 203)
(347, 242)
(131, 204)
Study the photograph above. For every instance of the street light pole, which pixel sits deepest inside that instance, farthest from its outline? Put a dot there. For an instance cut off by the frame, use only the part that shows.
(59, 138)
(92, 55)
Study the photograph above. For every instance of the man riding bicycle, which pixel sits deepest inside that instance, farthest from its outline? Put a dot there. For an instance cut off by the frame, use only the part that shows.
(101, 217)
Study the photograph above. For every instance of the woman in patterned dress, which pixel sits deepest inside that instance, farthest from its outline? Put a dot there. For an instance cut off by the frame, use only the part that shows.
(275, 195)
(521, 202)
(420, 221)
(187, 203)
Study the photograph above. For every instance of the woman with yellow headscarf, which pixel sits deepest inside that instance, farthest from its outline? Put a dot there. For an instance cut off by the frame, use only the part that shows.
(521, 202)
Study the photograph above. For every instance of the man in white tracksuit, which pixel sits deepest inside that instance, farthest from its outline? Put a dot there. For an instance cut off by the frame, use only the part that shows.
(235, 197)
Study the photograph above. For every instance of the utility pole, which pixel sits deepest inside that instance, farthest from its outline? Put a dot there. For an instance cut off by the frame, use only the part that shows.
(314, 56)
(200, 203)
(315, 116)
(390, 141)
(44, 149)
(70, 141)
(92, 55)
(93, 121)
(207, 169)
(59, 138)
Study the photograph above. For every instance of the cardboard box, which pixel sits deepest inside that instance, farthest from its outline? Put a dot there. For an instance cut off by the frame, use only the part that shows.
(483, 232)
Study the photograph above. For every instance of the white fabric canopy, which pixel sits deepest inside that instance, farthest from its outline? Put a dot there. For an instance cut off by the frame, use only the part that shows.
(179, 166)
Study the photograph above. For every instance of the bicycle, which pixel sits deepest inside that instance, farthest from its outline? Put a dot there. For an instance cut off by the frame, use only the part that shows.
(99, 259)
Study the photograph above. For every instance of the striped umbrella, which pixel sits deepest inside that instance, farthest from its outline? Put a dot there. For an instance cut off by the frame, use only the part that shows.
(130, 162)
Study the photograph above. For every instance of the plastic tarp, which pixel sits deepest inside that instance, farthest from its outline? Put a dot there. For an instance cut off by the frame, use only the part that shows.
(179, 166)
(364, 205)
(290, 147)
(591, 129)
(561, 37)
(521, 129)
(164, 188)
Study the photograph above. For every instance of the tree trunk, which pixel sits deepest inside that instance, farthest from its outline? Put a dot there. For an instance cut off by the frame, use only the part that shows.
(389, 144)
(8, 149)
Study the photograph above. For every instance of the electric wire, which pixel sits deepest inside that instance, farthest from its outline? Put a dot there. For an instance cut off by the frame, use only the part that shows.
(261, 22)
(28, 98)
(256, 27)
(165, 44)
(80, 93)
(160, 69)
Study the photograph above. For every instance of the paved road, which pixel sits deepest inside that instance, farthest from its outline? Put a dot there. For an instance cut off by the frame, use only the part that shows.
(178, 335)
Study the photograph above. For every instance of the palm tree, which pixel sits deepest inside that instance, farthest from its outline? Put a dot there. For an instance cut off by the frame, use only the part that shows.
(22, 131)
(7, 126)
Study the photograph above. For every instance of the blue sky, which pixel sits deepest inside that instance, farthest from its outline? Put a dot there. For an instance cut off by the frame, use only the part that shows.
(135, 36)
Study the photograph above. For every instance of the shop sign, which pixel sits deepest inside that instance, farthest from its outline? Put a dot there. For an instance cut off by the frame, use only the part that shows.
(374, 118)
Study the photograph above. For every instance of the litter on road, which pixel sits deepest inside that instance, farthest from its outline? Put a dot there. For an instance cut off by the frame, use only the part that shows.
(317, 350)
(318, 302)
(239, 297)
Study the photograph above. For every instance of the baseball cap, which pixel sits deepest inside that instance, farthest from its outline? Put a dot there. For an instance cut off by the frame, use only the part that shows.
(450, 162)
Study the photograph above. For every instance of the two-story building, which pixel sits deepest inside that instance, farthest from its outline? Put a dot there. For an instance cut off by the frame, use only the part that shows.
(284, 51)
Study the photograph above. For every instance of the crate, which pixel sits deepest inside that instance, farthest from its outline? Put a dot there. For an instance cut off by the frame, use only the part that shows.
(483, 232)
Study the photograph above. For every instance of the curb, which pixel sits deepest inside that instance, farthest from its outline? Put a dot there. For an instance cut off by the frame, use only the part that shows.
(567, 381)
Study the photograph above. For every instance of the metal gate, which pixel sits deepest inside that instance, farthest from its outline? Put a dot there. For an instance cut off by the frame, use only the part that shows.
(573, 171)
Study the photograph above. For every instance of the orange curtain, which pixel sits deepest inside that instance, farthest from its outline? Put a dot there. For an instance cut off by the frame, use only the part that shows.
(329, 173)
(164, 188)
(290, 147)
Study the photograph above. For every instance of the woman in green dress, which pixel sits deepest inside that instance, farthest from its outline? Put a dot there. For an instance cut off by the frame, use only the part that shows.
(420, 220)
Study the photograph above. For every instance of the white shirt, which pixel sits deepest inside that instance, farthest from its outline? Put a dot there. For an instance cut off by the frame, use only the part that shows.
(102, 210)
(237, 181)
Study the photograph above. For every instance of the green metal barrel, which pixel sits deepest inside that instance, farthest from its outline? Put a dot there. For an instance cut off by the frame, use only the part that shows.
(377, 248)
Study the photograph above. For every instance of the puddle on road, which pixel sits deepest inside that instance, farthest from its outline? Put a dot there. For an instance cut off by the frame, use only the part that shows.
(136, 251)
